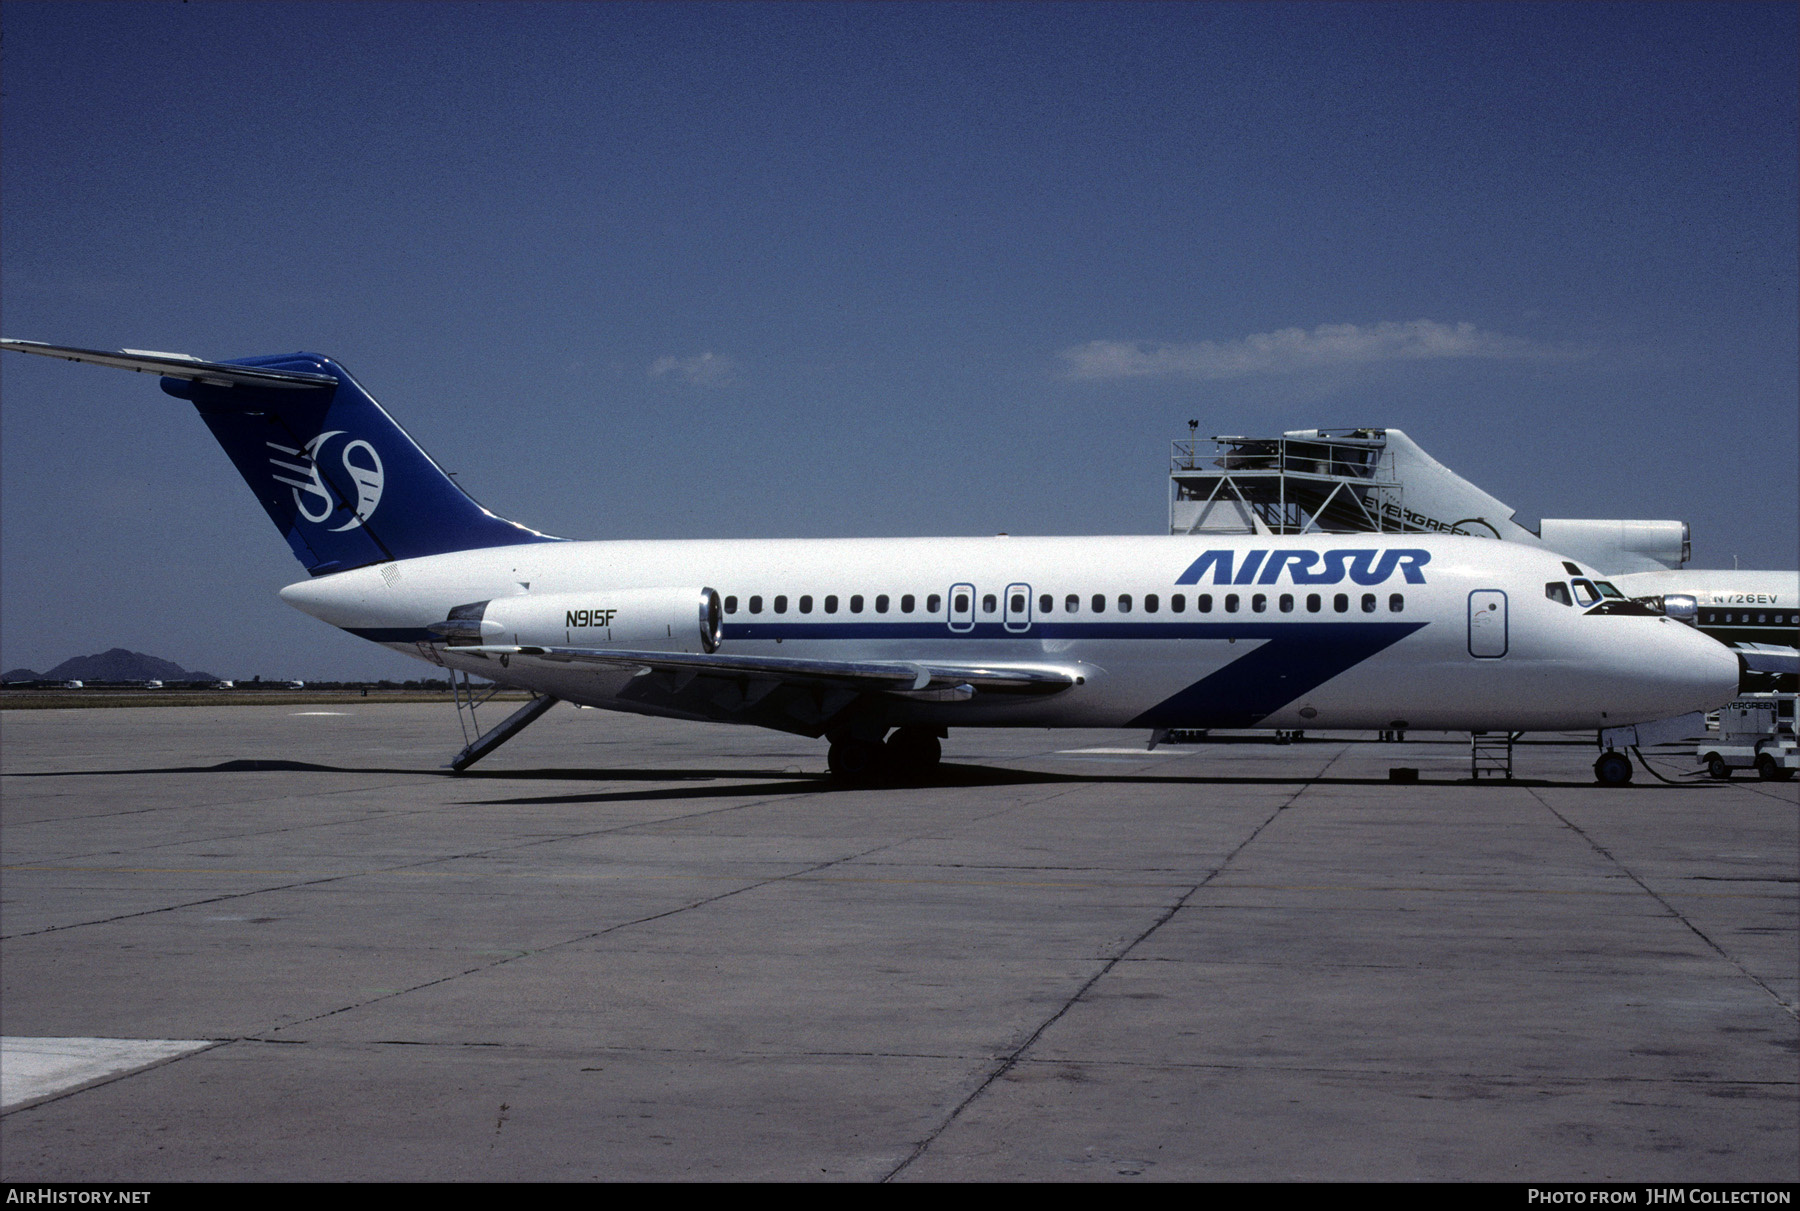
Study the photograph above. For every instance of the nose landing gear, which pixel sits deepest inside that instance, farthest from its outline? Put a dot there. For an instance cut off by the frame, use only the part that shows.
(1613, 769)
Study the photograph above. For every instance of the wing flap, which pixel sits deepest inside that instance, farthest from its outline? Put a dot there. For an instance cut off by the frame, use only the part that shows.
(921, 678)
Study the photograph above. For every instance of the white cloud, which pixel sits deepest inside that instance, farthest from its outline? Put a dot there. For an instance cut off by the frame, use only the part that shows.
(700, 370)
(1292, 349)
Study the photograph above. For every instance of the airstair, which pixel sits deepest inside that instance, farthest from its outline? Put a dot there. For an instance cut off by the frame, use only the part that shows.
(470, 697)
(1491, 753)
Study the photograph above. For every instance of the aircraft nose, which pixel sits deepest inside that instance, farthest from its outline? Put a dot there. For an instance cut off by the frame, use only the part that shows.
(1697, 671)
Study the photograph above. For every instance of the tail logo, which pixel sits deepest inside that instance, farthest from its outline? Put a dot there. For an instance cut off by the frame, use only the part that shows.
(314, 500)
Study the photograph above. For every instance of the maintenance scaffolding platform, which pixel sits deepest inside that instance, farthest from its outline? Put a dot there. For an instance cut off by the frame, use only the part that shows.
(1334, 481)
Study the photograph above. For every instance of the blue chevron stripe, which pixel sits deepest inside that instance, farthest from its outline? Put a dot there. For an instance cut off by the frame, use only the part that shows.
(1289, 666)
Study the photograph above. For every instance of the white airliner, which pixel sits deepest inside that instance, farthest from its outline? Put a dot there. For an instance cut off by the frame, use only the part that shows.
(881, 645)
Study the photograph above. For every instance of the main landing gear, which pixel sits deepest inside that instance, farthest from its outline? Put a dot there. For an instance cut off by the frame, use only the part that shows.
(910, 753)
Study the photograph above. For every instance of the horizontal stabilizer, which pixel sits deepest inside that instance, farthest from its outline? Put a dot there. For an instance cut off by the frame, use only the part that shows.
(176, 365)
(901, 677)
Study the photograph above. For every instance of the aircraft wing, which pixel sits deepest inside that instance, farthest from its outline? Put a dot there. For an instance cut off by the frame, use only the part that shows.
(1769, 657)
(933, 680)
(175, 365)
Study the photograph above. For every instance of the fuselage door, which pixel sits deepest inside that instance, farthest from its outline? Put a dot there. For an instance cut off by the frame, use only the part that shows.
(962, 607)
(1018, 608)
(1487, 624)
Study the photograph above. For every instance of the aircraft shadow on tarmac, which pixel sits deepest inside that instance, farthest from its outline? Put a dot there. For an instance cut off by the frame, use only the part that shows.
(726, 783)
(946, 776)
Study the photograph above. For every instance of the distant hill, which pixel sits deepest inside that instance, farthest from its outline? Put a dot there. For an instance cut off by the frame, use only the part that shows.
(116, 665)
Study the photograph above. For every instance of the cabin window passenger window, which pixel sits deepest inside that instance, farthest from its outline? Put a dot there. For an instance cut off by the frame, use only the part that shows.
(1259, 602)
(1017, 604)
(881, 604)
(1124, 603)
(906, 603)
(961, 605)
(1071, 604)
(1178, 603)
(756, 605)
(1204, 605)
(1150, 603)
(806, 603)
(1231, 603)
(1313, 603)
(1046, 603)
(989, 603)
(781, 604)
(1341, 603)
(856, 603)
(731, 605)
(1396, 603)
(1556, 590)
(1287, 603)
(831, 604)
(933, 603)
(1368, 603)
(1099, 603)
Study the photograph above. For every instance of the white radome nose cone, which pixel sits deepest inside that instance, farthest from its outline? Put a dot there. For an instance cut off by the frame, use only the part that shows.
(1698, 671)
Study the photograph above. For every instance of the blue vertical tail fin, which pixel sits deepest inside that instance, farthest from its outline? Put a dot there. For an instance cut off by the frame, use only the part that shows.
(344, 483)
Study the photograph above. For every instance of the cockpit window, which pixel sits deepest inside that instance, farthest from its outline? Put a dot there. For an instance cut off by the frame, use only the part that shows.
(1556, 590)
(1585, 593)
(1607, 590)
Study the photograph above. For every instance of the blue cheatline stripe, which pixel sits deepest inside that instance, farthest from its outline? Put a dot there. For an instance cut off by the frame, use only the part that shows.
(1250, 627)
(1347, 635)
(1293, 663)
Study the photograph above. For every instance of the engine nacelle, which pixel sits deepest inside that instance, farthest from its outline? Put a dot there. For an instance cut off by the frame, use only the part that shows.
(1682, 607)
(659, 620)
(1618, 546)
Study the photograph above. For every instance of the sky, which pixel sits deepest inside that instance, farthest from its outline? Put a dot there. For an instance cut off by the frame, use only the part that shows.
(747, 270)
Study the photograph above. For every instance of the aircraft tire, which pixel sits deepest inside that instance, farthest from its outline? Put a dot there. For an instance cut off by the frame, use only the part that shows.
(1613, 769)
(1716, 767)
(856, 762)
(914, 750)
